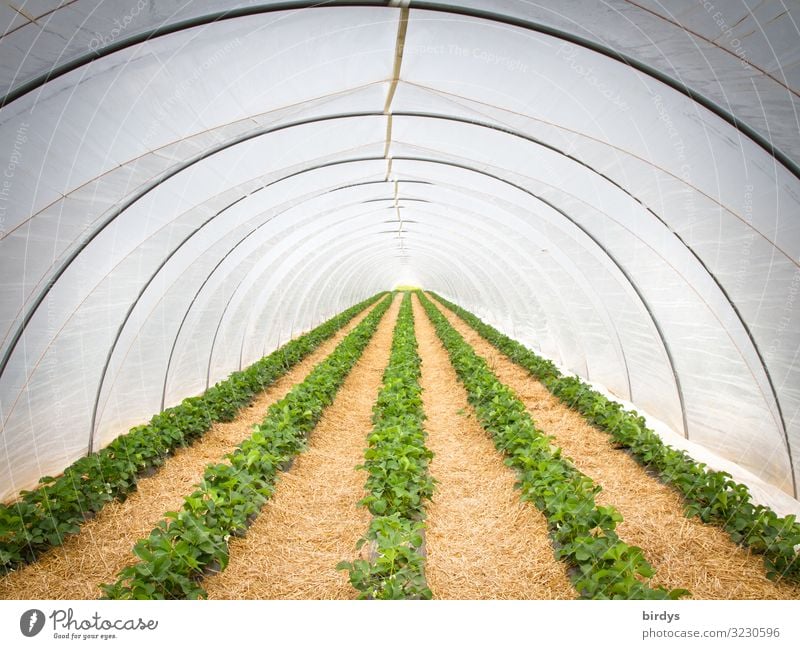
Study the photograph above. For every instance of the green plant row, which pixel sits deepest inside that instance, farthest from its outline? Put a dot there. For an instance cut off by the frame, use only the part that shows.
(713, 496)
(43, 517)
(398, 483)
(191, 542)
(603, 566)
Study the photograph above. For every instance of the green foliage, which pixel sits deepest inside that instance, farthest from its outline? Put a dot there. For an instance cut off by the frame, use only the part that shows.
(42, 518)
(397, 570)
(713, 496)
(398, 483)
(583, 532)
(194, 541)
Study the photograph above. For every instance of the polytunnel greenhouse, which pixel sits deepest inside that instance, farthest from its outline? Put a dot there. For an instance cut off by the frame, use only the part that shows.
(399, 300)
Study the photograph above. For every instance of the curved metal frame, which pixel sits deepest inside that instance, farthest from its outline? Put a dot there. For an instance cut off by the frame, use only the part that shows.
(233, 293)
(619, 266)
(268, 130)
(143, 290)
(296, 278)
(565, 311)
(580, 285)
(425, 5)
(171, 172)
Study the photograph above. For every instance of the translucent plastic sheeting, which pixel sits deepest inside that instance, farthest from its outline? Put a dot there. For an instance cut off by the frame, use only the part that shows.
(678, 136)
(763, 492)
(223, 187)
(82, 210)
(87, 304)
(159, 107)
(743, 56)
(596, 338)
(227, 254)
(61, 34)
(740, 55)
(628, 250)
(743, 262)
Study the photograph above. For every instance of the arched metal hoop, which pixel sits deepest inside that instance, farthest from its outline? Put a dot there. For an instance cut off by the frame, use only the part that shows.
(225, 145)
(469, 12)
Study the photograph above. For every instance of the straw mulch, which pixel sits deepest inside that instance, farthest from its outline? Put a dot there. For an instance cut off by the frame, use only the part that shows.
(312, 520)
(686, 553)
(103, 547)
(482, 541)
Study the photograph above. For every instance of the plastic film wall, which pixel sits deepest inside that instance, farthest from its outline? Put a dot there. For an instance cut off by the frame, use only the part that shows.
(188, 185)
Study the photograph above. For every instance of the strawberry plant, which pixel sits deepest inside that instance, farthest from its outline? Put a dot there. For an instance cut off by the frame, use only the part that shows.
(583, 533)
(194, 541)
(43, 517)
(397, 569)
(398, 483)
(712, 496)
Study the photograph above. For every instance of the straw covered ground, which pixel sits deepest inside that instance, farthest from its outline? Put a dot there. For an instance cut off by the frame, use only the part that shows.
(103, 547)
(686, 553)
(312, 521)
(482, 541)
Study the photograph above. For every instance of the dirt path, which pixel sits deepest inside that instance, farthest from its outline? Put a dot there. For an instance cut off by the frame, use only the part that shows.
(686, 553)
(312, 520)
(103, 547)
(482, 541)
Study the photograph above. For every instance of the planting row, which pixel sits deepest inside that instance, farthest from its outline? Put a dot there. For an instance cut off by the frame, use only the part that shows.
(603, 566)
(43, 517)
(398, 482)
(191, 542)
(713, 496)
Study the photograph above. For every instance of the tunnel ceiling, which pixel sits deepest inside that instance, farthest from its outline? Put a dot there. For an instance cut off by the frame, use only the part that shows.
(186, 186)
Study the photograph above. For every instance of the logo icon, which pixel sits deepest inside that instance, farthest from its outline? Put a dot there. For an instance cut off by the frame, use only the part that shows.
(31, 622)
